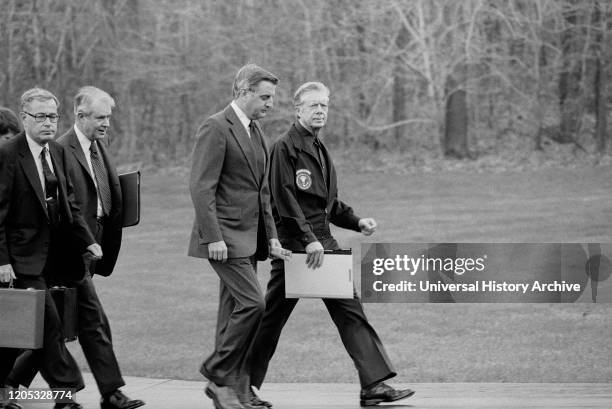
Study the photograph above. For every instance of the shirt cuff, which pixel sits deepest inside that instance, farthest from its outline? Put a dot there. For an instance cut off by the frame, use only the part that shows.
(308, 238)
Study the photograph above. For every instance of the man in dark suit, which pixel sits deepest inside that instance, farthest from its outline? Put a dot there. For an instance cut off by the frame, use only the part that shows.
(234, 228)
(98, 194)
(37, 209)
(305, 201)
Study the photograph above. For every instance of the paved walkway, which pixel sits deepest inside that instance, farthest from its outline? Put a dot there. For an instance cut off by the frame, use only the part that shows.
(173, 394)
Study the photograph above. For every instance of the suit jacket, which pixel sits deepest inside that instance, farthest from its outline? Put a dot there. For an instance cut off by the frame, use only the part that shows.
(230, 195)
(87, 199)
(25, 233)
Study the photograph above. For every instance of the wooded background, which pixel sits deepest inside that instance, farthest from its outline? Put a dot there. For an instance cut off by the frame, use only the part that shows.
(453, 76)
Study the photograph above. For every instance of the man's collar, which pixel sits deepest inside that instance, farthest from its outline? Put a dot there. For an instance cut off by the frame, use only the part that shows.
(244, 119)
(34, 146)
(302, 138)
(302, 131)
(83, 140)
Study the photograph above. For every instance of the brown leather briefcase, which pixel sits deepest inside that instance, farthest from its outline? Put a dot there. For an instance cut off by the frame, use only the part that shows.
(66, 303)
(22, 314)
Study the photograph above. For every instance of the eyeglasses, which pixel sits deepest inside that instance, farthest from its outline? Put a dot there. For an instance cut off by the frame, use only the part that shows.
(42, 117)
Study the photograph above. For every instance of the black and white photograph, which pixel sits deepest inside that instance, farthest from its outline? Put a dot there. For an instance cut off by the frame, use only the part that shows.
(305, 204)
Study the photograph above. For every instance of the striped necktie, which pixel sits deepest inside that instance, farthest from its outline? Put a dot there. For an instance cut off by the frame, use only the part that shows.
(101, 175)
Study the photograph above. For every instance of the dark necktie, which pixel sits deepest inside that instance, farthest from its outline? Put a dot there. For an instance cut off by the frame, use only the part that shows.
(50, 188)
(319, 148)
(101, 175)
(257, 147)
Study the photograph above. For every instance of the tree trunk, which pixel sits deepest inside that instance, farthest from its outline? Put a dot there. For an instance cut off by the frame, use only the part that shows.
(601, 111)
(399, 86)
(364, 106)
(569, 80)
(456, 121)
(601, 80)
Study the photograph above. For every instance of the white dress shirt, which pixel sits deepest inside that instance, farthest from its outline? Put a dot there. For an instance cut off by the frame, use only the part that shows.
(242, 116)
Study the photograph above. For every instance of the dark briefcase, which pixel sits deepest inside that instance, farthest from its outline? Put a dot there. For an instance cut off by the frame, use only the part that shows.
(130, 192)
(66, 303)
(22, 314)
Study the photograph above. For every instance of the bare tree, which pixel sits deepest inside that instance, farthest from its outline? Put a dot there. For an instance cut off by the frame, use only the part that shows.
(435, 72)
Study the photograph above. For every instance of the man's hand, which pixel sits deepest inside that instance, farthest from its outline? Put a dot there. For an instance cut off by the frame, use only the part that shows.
(367, 226)
(6, 273)
(314, 255)
(277, 251)
(95, 250)
(217, 250)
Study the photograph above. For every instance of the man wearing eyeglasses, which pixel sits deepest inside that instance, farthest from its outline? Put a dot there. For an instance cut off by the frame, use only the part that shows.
(97, 190)
(36, 203)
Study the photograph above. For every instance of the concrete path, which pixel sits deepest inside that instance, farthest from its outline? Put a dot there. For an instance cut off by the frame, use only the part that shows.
(174, 394)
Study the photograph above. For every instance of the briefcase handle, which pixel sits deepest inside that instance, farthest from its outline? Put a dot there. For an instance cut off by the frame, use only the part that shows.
(12, 286)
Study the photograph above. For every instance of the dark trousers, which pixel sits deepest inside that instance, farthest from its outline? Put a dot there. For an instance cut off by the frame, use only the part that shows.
(241, 307)
(359, 338)
(94, 335)
(56, 365)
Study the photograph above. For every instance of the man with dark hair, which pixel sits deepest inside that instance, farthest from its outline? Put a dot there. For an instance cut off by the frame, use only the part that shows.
(234, 228)
(9, 124)
(36, 205)
(304, 202)
(98, 193)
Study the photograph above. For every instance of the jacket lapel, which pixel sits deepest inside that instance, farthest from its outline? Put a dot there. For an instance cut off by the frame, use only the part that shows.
(113, 178)
(266, 153)
(77, 150)
(241, 136)
(303, 143)
(58, 169)
(29, 168)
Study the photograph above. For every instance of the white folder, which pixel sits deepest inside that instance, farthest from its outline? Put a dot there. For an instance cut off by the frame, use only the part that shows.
(334, 279)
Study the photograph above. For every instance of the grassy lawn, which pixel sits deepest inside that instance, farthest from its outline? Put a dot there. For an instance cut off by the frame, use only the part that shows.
(162, 304)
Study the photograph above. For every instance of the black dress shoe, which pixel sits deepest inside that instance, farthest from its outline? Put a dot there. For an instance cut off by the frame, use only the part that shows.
(382, 392)
(223, 397)
(71, 405)
(257, 401)
(117, 400)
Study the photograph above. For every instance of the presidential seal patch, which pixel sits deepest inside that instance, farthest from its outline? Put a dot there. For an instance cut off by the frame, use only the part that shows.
(303, 179)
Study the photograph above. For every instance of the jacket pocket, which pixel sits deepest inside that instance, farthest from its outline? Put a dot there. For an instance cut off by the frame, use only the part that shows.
(229, 212)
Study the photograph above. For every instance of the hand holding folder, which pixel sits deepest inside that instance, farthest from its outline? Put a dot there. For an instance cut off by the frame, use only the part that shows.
(334, 279)
(314, 255)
